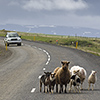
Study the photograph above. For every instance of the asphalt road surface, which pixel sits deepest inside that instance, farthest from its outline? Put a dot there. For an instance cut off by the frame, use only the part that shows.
(19, 73)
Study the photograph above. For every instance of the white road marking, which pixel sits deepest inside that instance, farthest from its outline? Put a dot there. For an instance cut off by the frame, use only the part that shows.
(39, 48)
(35, 47)
(48, 55)
(44, 68)
(48, 60)
(44, 50)
(33, 90)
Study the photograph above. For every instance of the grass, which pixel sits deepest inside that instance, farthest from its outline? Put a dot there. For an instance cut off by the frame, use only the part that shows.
(91, 45)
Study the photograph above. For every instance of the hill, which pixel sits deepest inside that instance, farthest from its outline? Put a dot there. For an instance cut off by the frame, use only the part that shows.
(53, 30)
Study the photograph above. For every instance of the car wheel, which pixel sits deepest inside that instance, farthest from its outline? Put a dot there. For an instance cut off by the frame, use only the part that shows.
(19, 44)
(7, 44)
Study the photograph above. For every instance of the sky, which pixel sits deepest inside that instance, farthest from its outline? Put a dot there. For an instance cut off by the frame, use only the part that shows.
(75, 13)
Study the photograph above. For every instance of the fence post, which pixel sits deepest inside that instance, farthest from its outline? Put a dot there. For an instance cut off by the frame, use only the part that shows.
(34, 38)
(76, 44)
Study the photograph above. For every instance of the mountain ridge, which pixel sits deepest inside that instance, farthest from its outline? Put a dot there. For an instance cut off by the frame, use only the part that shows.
(53, 30)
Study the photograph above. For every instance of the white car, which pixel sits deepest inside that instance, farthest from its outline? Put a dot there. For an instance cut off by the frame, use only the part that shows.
(12, 38)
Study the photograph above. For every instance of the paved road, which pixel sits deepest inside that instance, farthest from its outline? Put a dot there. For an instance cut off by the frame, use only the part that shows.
(19, 75)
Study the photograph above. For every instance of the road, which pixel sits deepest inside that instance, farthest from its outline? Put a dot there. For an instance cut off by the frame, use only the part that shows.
(19, 74)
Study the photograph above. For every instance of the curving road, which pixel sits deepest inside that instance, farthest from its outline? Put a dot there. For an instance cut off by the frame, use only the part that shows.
(19, 74)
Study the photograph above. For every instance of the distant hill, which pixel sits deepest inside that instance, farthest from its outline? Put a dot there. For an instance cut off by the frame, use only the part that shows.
(53, 29)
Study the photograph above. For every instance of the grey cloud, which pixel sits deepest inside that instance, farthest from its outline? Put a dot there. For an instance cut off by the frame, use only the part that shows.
(13, 3)
(54, 5)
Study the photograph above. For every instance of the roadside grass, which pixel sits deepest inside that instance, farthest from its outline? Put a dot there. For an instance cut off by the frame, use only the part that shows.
(86, 44)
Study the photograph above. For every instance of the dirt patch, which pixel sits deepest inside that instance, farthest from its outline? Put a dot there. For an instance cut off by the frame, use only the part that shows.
(4, 54)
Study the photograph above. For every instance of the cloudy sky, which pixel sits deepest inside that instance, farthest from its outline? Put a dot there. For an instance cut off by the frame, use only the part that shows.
(76, 13)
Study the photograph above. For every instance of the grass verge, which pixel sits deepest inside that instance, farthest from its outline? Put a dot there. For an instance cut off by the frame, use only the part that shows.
(91, 45)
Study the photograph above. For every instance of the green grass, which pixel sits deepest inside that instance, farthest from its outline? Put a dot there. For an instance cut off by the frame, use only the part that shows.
(91, 45)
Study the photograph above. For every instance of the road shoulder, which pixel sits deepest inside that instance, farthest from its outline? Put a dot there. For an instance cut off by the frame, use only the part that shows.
(4, 54)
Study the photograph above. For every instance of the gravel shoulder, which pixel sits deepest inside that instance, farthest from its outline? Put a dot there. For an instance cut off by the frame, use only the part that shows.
(4, 54)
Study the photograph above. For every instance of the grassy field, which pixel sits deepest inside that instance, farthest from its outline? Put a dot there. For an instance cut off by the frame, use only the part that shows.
(91, 45)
